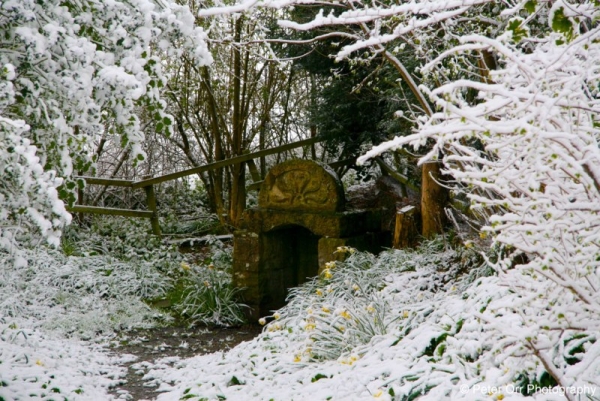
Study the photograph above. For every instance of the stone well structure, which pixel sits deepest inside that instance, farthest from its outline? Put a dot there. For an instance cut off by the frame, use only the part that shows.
(298, 224)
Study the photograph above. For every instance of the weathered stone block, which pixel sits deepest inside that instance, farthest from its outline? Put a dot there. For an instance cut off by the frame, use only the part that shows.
(342, 224)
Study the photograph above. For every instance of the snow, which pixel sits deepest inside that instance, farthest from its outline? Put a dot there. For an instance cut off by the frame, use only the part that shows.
(405, 324)
(35, 364)
(280, 364)
(396, 325)
(58, 315)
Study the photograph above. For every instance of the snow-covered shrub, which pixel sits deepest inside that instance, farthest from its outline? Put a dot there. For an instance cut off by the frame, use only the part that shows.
(96, 284)
(124, 239)
(536, 170)
(197, 285)
(80, 296)
(108, 275)
(28, 195)
(70, 73)
(184, 209)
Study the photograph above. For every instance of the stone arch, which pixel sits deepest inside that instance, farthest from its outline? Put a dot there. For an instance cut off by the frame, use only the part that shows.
(298, 224)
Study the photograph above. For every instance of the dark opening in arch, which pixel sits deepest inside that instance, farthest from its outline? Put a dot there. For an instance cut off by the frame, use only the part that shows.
(290, 257)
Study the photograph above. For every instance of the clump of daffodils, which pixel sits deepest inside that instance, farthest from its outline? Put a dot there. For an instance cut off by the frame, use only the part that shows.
(336, 311)
(310, 326)
(348, 360)
(345, 250)
(276, 326)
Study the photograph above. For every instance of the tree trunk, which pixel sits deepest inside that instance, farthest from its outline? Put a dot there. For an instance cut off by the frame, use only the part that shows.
(433, 200)
(238, 184)
(216, 176)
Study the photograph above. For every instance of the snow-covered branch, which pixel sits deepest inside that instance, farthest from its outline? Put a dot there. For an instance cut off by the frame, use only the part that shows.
(70, 70)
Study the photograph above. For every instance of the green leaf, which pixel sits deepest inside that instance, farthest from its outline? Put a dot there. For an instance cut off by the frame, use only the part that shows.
(515, 26)
(562, 24)
(235, 382)
(318, 377)
(530, 6)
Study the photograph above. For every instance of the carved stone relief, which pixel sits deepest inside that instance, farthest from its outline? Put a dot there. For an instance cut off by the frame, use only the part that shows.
(301, 185)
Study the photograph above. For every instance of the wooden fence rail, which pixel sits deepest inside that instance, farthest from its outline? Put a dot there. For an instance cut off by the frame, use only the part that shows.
(111, 211)
(148, 183)
(225, 163)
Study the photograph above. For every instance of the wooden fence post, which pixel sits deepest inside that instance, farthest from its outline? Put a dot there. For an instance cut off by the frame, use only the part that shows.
(151, 200)
(405, 230)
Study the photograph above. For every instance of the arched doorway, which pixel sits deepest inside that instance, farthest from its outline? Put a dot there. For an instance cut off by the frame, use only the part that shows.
(290, 256)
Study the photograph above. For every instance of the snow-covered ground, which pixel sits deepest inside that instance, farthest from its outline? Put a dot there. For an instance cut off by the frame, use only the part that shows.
(38, 365)
(396, 327)
(50, 307)
(400, 326)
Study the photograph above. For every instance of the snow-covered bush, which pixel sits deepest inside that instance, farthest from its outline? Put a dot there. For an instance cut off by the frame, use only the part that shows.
(70, 73)
(536, 121)
(80, 296)
(120, 238)
(28, 195)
